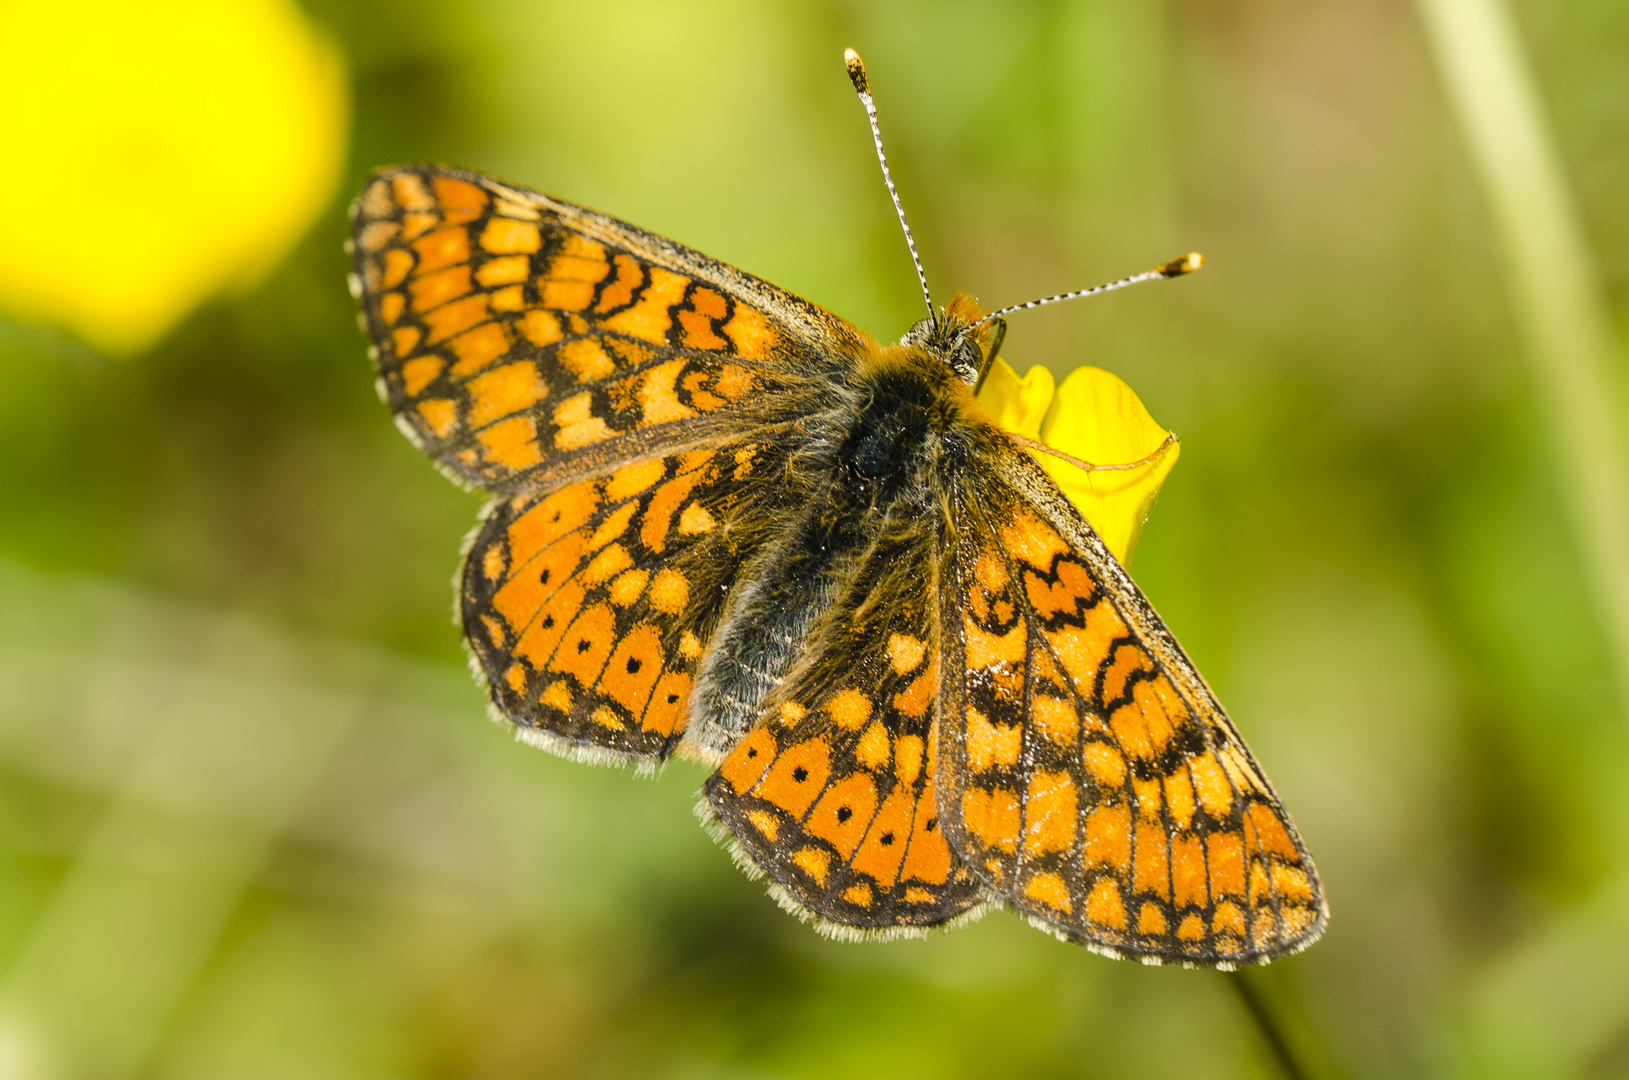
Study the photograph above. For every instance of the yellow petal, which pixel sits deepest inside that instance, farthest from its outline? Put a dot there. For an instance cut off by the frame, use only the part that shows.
(1019, 405)
(157, 153)
(1096, 417)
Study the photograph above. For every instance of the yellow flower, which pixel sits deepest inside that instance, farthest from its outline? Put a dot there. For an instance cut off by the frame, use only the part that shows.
(156, 153)
(1095, 417)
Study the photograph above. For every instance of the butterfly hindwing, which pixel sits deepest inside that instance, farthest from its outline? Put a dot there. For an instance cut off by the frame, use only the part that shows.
(833, 793)
(588, 607)
(522, 340)
(1086, 773)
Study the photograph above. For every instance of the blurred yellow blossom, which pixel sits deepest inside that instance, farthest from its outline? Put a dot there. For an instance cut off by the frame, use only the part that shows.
(1095, 417)
(157, 153)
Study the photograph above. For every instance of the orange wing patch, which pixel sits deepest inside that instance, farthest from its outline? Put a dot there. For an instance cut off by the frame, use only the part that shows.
(521, 351)
(588, 608)
(834, 795)
(1080, 784)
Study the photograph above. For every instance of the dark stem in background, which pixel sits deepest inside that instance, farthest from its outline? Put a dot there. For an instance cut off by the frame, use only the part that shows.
(1267, 1023)
(1269, 996)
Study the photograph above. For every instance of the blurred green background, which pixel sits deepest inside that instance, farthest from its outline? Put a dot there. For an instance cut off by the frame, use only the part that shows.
(253, 822)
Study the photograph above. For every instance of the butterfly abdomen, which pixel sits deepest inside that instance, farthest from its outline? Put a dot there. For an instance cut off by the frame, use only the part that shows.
(866, 473)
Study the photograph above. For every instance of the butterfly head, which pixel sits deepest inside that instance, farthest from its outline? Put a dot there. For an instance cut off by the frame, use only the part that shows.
(956, 336)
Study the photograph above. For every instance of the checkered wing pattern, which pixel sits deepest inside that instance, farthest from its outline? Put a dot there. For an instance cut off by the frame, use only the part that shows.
(587, 608)
(522, 340)
(1086, 773)
(833, 794)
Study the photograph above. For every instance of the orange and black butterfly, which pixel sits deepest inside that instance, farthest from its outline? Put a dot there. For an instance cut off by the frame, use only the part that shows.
(732, 526)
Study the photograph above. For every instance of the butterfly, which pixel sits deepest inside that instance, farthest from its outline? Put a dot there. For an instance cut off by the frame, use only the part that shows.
(729, 525)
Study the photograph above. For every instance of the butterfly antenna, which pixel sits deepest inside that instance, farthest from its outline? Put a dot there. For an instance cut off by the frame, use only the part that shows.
(862, 86)
(1186, 264)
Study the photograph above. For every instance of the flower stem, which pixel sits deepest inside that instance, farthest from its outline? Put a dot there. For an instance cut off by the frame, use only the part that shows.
(1266, 1024)
(1284, 1031)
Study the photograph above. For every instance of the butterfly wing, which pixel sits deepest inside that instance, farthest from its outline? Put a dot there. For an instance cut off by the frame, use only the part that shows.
(588, 607)
(522, 340)
(832, 794)
(1086, 772)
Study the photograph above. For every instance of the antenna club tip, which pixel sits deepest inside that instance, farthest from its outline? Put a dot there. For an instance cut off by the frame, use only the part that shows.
(856, 71)
(1186, 264)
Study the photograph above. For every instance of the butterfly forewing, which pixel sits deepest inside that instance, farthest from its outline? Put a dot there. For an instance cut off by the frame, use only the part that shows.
(523, 340)
(1085, 773)
(833, 794)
